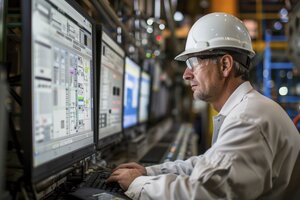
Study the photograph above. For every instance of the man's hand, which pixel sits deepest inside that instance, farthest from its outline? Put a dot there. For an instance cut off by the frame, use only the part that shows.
(132, 165)
(125, 173)
(124, 176)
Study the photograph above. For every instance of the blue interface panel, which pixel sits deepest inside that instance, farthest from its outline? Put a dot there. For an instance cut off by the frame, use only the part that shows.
(131, 93)
(144, 97)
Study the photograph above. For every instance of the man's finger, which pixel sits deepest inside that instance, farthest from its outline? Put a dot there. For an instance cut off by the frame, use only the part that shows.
(113, 178)
(126, 165)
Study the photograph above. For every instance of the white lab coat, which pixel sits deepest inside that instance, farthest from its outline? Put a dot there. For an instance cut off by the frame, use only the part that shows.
(255, 146)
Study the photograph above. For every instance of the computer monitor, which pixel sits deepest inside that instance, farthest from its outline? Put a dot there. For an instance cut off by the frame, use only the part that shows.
(131, 93)
(58, 86)
(111, 73)
(144, 99)
(160, 96)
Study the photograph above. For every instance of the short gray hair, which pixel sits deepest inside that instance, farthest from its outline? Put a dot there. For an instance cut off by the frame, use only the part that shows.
(240, 70)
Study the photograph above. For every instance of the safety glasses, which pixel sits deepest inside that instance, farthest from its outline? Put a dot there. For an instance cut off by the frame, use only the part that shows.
(198, 61)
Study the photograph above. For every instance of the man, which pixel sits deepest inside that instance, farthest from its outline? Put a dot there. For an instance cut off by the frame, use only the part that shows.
(255, 144)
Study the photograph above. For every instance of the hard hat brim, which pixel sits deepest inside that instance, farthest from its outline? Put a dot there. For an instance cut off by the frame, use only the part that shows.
(184, 55)
(188, 53)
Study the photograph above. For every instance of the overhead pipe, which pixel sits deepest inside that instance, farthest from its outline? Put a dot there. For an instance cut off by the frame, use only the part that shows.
(169, 15)
(101, 5)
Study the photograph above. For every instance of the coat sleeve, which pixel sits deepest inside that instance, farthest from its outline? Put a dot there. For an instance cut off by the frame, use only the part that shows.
(178, 167)
(238, 166)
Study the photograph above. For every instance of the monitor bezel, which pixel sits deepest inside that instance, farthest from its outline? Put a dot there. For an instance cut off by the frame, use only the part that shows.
(117, 136)
(31, 173)
(154, 120)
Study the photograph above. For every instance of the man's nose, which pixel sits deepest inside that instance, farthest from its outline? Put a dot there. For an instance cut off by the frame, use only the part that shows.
(188, 74)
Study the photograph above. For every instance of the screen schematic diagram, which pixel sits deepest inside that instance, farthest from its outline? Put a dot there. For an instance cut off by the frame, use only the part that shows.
(62, 80)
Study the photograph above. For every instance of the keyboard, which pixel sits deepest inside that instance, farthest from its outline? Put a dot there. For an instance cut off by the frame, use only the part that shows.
(87, 193)
(170, 136)
(155, 154)
(94, 186)
(98, 180)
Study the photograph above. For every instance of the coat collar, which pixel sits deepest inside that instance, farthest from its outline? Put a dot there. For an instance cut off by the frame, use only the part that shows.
(235, 98)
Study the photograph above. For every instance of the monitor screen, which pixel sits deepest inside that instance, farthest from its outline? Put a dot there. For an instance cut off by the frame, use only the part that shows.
(160, 95)
(61, 79)
(131, 93)
(111, 87)
(144, 97)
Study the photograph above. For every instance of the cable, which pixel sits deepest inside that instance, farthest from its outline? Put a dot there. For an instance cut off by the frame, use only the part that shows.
(296, 119)
(15, 96)
(17, 144)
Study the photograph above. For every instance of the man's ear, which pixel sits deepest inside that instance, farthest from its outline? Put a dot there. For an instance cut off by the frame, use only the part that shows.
(226, 65)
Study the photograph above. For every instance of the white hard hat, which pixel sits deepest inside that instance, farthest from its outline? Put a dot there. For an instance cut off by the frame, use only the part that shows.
(217, 31)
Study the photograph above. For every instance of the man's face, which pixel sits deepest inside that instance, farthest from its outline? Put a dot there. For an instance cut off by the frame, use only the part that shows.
(205, 78)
